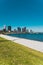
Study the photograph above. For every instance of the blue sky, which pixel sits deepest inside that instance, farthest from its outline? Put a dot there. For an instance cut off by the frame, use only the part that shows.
(21, 13)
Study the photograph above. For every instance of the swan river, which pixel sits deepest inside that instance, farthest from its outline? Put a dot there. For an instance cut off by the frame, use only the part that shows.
(37, 37)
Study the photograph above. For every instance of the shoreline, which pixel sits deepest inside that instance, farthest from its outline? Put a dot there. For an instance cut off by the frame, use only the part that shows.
(36, 45)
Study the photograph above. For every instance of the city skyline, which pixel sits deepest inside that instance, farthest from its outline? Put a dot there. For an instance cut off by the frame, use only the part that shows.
(22, 13)
(15, 28)
(35, 29)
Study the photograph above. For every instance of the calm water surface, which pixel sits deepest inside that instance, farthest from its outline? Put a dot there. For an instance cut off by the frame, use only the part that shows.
(38, 37)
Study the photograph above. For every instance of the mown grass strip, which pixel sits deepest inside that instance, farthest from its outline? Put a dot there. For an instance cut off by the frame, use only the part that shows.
(15, 54)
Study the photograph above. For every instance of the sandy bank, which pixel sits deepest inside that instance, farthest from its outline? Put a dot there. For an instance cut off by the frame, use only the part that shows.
(36, 45)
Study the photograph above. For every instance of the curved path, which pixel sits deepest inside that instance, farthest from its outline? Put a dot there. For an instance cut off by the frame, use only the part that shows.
(36, 45)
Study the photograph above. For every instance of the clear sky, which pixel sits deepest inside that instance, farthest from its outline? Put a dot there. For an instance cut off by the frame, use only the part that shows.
(21, 13)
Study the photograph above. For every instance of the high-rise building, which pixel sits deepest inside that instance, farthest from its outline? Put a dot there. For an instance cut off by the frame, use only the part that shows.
(4, 29)
(24, 29)
(18, 29)
(31, 31)
(4, 26)
(9, 28)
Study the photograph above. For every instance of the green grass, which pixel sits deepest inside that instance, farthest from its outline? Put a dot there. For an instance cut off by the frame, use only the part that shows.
(15, 54)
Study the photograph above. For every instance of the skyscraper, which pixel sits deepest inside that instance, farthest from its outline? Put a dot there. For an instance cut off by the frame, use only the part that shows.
(24, 29)
(4, 29)
(9, 28)
(18, 29)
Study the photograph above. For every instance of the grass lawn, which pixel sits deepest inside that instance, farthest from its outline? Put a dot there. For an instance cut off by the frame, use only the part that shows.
(15, 54)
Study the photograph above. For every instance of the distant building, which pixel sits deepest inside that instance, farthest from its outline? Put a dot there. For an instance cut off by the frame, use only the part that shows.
(31, 31)
(18, 29)
(4, 29)
(24, 29)
(15, 31)
(9, 28)
(4, 26)
(27, 31)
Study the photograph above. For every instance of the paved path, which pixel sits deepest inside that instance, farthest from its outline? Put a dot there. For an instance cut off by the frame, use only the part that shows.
(36, 45)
